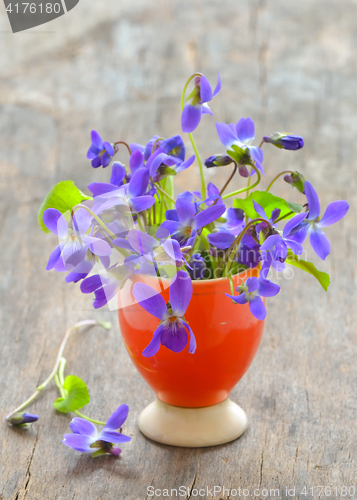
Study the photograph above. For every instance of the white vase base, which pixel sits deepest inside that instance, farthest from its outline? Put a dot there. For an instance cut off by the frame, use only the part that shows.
(193, 427)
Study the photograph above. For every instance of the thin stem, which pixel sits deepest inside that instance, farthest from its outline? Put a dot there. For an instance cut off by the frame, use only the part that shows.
(125, 144)
(200, 165)
(248, 184)
(162, 206)
(59, 386)
(185, 88)
(169, 188)
(153, 146)
(229, 180)
(98, 422)
(231, 284)
(89, 322)
(105, 227)
(100, 222)
(238, 240)
(234, 193)
(61, 368)
(261, 144)
(162, 191)
(284, 217)
(277, 177)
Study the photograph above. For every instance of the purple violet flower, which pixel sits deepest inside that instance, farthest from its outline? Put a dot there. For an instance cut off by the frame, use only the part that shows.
(87, 439)
(116, 180)
(74, 242)
(168, 251)
(173, 328)
(131, 197)
(100, 152)
(251, 292)
(184, 222)
(239, 137)
(84, 268)
(285, 141)
(199, 97)
(313, 223)
(229, 230)
(281, 243)
(213, 196)
(106, 284)
(164, 165)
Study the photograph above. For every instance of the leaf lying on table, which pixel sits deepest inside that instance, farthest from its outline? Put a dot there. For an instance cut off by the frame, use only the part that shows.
(64, 196)
(268, 202)
(322, 278)
(77, 395)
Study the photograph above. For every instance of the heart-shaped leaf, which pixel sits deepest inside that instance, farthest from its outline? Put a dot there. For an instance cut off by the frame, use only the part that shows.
(268, 202)
(77, 395)
(64, 196)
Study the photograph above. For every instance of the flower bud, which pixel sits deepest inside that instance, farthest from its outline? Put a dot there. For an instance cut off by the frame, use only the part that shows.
(297, 181)
(218, 161)
(285, 141)
(22, 418)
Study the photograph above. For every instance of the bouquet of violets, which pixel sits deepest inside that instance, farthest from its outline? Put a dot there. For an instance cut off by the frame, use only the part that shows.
(136, 224)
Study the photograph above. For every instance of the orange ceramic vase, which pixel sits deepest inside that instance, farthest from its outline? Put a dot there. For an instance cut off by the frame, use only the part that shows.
(227, 336)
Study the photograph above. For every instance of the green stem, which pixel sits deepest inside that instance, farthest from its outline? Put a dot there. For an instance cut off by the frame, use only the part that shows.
(61, 368)
(284, 217)
(98, 422)
(237, 241)
(234, 193)
(231, 284)
(162, 206)
(100, 222)
(40, 388)
(162, 191)
(59, 386)
(185, 88)
(200, 165)
(169, 188)
(277, 177)
(105, 227)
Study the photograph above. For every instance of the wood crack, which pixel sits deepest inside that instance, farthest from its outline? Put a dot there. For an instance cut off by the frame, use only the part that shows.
(28, 470)
(192, 486)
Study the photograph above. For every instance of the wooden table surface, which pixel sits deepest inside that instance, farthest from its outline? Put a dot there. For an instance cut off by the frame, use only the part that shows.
(119, 67)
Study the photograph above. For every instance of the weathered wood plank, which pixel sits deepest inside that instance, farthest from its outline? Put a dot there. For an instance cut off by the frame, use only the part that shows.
(121, 70)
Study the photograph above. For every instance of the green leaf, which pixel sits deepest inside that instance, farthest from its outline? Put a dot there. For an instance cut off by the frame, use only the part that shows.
(294, 207)
(63, 196)
(268, 202)
(77, 395)
(322, 278)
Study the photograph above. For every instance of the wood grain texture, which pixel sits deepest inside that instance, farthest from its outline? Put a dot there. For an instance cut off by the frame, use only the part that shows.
(120, 68)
